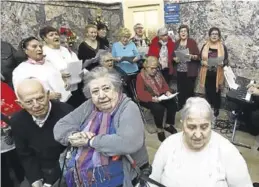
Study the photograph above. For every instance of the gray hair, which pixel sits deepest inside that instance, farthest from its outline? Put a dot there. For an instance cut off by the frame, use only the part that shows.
(162, 31)
(103, 54)
(197, 105)
(102, 72)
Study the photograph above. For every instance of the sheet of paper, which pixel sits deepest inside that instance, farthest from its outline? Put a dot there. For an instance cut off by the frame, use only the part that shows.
(230, 77)
(164, 97)
(183, 55)
(215, 61)
(75, 69)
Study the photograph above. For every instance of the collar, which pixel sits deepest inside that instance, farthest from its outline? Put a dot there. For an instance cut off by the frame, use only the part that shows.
(40, 122)
(31, 61)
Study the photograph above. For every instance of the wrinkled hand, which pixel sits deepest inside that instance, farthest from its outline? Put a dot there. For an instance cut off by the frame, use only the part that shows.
(65, 75)
(67, 86)
(253, 90)
(194, 57)
(79, 139)
(135, 59)
(155, 99)
(37, 184)
(117, 59)
(176, 59)
(54, 95)
(204, 63)
(168, 93)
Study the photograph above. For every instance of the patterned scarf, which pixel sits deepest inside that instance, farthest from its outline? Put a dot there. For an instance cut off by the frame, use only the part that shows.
(86, 158)
(152, 82)
(40, 62)
(203, 70)
(163, 55)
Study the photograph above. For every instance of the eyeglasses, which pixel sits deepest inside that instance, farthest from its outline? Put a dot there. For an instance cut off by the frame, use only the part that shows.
(214, 34)
(109, 60)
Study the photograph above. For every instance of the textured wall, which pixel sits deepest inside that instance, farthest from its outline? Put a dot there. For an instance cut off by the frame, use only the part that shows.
(239, 24)
(23, 18)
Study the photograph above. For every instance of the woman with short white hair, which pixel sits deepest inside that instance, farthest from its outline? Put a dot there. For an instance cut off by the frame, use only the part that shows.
(104, 128)
(199, 156)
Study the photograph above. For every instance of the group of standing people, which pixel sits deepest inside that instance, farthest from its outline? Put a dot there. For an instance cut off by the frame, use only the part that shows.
(105, 126)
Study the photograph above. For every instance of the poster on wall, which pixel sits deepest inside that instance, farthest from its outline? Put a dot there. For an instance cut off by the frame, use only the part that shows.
(172, 13)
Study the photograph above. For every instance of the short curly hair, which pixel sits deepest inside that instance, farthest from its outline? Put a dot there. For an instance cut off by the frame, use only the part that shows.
(124, 32)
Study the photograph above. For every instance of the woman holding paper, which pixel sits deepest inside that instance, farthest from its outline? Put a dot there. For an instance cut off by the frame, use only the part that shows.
(186, 69)
(150, 86)
(35, 66)
(88, 49)
(126, 48)
(212, 76)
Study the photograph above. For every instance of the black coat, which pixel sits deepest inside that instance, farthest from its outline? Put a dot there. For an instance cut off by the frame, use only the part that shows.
(8, 62)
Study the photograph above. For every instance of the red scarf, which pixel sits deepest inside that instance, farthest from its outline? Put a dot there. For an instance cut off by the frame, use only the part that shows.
(153, 82)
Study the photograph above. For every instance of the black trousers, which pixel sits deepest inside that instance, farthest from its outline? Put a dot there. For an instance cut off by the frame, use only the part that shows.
(185, 85)
(158, 111)
(10, 160)
(213, 97)
(167, 77)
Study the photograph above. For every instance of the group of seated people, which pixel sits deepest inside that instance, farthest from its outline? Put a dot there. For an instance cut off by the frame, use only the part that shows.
(99, 119)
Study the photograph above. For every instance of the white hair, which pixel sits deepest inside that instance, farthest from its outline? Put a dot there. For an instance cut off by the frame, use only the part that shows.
(162, 31)
(199, 106)
(104, 54)
(101, 72)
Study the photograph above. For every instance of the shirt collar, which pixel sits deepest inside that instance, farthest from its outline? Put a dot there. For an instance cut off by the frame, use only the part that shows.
(40, 122)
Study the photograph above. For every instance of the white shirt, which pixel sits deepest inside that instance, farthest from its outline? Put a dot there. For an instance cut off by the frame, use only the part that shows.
(40, 122)
(60, 58)
(219, 164)
(50, 78)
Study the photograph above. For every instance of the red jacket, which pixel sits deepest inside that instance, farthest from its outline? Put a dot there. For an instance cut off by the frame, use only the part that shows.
(8, 97)
(144, 94)
(154, 50)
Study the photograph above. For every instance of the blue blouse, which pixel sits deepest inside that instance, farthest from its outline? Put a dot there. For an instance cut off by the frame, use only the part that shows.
(129, 50)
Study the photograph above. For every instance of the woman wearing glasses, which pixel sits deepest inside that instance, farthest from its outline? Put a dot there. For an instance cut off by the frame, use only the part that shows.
(150, 85)
(211, 75)
(186, 70)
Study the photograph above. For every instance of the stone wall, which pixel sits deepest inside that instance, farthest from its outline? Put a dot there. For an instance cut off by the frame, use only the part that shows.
(23, 18)
(239, 24)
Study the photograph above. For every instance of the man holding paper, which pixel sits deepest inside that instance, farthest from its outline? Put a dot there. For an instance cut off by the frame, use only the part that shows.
(186, 63)
(154, 94)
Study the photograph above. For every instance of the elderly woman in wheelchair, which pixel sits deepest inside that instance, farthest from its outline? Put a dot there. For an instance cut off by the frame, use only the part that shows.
(150, 86)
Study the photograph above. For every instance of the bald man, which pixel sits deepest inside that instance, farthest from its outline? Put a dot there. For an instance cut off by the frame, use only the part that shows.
(32, 129)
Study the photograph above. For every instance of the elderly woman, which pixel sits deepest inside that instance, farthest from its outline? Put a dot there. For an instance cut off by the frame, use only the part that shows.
(104, 128)
(211, 75)
(60, 57)
(150, 85)
(162, 47)
(34, 65)
(199, 156)
(126, 48)
(106, 60)
(186, 71)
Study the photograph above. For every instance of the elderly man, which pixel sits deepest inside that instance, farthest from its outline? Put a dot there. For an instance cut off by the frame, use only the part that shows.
(140, 40)
(33, 133)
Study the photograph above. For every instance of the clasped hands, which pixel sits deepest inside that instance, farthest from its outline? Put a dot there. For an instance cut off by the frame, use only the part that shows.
(80, 139)
(156, 100)
(253, 88)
